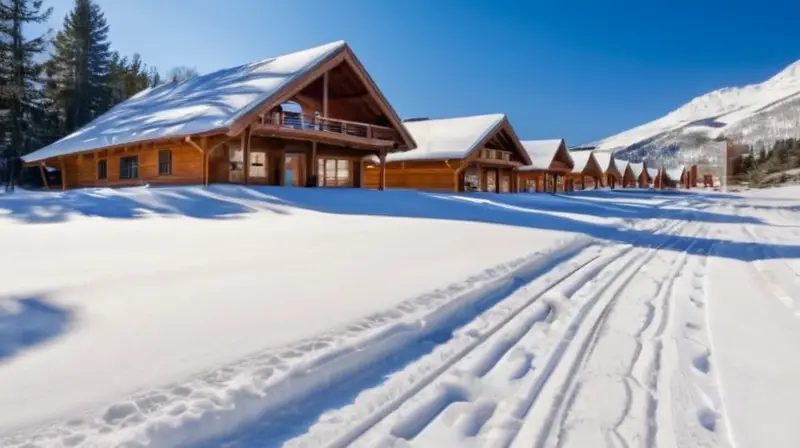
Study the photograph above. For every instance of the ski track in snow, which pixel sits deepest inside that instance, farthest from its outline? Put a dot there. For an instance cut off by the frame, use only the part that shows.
(588, 343)
(218, 401)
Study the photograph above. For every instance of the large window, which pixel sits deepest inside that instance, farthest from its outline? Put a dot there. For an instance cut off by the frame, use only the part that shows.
(129, 167)
(164, 162)
(333, 172)
(102, 169)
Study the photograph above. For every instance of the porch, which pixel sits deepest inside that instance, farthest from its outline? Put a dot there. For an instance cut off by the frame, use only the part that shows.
(286, 162)
(495, 177)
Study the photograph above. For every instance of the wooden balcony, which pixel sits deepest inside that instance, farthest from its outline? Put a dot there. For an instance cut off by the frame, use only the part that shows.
(294, 125)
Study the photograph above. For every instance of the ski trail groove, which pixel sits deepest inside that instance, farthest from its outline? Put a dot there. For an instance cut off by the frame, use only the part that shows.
(552, 403)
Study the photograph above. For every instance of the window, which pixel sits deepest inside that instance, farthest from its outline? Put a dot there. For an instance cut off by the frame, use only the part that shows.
(507, 156)
(490, 154)
(129, 167)
(164, 162)
(333, 172)
(102, 169)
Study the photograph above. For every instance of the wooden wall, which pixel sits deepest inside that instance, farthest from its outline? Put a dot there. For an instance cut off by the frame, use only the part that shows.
(421, 175)
(81, 170)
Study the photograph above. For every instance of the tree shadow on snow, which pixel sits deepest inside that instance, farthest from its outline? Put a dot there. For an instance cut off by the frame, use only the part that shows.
(28, 322)
(535, 211)
(542, 211)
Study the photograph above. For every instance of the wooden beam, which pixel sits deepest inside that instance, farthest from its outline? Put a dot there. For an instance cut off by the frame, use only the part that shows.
(325, 95)
(382, 179)
(246, 146)
(63, 173)
(205, 154)
(44, 176)
(189, 140)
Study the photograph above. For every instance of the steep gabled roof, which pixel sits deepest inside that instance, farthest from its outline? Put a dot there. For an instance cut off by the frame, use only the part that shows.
(584, 160)
(637, 169)
(454, 138)
(217, 102)
(675, 173)
(607, 163)
(543, 152)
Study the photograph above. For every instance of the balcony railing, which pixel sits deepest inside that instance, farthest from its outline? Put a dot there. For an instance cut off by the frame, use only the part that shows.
(296, 120)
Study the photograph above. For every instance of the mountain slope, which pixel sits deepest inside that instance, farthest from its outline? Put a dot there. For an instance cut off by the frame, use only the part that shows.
(754, 114)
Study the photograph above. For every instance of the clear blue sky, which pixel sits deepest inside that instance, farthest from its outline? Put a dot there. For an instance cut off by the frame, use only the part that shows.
(580, 70)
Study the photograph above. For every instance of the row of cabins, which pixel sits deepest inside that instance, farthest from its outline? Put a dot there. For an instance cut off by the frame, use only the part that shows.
(314, 118)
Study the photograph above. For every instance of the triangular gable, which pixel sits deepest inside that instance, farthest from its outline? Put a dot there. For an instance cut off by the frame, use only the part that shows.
(459, 138)
(548, 155)
(607, 163)
(343, 55)
(586, 164)
(225, 101)
(675, 173)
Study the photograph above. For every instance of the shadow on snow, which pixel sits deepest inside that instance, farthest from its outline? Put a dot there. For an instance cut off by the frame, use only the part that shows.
(540, 211)
(27, 322)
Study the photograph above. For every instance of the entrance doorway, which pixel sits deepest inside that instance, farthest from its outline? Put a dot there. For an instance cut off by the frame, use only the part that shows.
(294, 170)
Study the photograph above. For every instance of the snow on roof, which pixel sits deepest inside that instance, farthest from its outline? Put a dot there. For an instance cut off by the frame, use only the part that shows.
(622, 165)
(201, 104)
(636, 168)
(447, 138)
(581, 159)
(675, 173)
(652, 172)
(607, 162)
(541, 152)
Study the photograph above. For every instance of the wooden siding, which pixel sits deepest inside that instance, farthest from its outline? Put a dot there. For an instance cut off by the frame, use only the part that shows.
(421, 175)
(187, 167)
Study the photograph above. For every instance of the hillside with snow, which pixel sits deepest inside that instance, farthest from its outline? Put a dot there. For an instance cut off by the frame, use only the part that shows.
(757, 114)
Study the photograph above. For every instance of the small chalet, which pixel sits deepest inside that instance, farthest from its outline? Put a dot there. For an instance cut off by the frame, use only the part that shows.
(655, 177)
(612, 174)
(478, 153)
(628, 179)
(301, 119)
(675, 177)
(550, 164)
(586, 165)
(641, 175)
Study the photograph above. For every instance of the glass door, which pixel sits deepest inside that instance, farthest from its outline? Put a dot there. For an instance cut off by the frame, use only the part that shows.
(294, 170)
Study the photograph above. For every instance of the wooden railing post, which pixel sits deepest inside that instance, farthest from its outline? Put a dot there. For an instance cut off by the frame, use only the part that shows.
(382, 180)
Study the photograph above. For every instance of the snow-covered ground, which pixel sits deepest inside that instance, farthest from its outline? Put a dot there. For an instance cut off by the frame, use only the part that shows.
(253, 317)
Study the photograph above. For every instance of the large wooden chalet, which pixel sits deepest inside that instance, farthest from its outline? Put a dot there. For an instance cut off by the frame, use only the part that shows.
(478, 153)
(550, 163)
(303, 119)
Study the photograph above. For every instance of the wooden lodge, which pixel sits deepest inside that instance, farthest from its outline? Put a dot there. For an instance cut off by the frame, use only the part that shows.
(586, 166)
(675, 177)
(655, 177)
(628, 178)
(612, 174)
(550, 164)
(479, 153)
(303, 119)
(641, 175)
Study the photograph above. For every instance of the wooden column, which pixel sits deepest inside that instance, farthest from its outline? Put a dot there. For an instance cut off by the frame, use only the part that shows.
(44, 176)
(583, 183)
(325, 95)
(382, 178)
(206, 156)
(313, 168)
(246, 148)
(63, 173)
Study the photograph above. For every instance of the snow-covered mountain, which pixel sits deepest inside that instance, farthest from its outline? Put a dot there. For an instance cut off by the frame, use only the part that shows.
(756, 114)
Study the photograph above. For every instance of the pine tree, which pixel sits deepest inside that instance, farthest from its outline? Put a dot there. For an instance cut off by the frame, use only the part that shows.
(80, 65)
(20, 73)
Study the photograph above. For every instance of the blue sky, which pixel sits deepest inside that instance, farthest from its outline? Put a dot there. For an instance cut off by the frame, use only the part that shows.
(577, 69)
